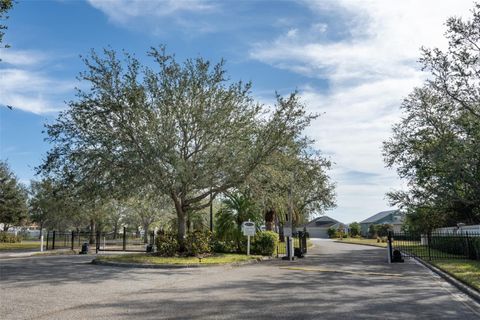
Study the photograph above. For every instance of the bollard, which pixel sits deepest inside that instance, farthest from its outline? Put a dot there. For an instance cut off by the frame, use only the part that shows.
(84, 248)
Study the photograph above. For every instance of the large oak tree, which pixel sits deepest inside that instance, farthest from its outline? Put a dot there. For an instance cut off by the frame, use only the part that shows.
(436, 145)
(182, 129)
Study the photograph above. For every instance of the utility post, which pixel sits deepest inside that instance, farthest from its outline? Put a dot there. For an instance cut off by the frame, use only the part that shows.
(211, 211)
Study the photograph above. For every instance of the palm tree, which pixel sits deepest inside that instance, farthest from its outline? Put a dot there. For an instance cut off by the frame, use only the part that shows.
(236, 209)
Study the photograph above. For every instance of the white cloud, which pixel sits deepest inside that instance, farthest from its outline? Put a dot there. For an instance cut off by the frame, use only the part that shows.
(370, 67)
(24, 86)
(123, 10)
(155, 13)
(21, 57)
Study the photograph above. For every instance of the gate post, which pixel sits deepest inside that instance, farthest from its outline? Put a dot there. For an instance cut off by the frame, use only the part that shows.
(53, 240)
(97, 242)
(124, 238)
(429, 237)
(389, 247)
(468, 245)
(73, 238)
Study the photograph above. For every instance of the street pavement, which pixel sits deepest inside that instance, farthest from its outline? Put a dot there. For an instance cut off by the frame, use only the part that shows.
(334, 281)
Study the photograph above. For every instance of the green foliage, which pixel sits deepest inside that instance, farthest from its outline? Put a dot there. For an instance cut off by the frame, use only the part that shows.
(372, 231)
(13, 198)
(457, 245)
(221, 246)
(198, 243)
(264, 243)
(6, 237)
(435, 146)
(182, 129)
(354, 229)
(299, 170)
(236, 209)
(341, 232)
(379, 230)
(167, 244)
(332, 232)
(53, 206)
(5, 6)
(382, 229)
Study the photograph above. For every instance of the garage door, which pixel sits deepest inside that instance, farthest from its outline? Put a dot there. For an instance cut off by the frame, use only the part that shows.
(317, 232)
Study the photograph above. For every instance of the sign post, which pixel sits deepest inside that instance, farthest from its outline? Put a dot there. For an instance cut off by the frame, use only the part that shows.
(248, 229)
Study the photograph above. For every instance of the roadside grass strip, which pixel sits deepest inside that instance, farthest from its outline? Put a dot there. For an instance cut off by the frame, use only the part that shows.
(24, 245)
(466, 271)
(157, 260)
(360, 273)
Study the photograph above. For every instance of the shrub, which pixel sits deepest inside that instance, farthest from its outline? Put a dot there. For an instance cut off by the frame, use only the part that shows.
(379, 230)
(332, 232)
(198, 242)
(9, 238)
(354, 229)
(372, 231)
(264, 243)
(457, 245)
(382, 229)
(221, 246)
(166, 243)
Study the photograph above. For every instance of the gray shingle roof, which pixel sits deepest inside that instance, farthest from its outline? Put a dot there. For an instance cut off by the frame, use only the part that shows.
(319, 219)
(378, 216)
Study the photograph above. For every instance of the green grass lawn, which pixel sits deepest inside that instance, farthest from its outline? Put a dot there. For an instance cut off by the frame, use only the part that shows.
(467, 271)
(370, 242)
(150, 259)
(20, 245)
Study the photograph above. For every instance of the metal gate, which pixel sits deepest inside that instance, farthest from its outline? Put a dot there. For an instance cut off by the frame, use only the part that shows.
(436, 245)
(126, 241)
(299, 245)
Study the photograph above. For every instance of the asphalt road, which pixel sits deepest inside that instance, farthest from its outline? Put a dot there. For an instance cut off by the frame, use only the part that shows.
(335, 281)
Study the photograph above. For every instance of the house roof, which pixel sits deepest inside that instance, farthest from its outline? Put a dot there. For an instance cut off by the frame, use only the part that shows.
(378, 216)
(317, 222)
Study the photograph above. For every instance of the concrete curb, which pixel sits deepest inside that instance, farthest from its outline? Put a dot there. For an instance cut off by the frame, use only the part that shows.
(172, 266)
(468, 290)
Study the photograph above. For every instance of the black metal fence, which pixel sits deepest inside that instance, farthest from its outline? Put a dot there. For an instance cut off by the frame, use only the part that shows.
(66, 240)
(299, 245)
(126, 241)
(101, 241)
(437, 245)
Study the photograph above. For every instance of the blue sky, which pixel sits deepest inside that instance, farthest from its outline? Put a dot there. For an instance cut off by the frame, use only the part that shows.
(352, 61)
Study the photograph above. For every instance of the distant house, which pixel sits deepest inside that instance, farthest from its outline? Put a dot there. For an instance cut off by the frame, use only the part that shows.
(317, 228)
(393, 217)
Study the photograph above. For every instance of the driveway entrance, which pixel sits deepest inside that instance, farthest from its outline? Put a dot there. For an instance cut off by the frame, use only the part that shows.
(334, 281)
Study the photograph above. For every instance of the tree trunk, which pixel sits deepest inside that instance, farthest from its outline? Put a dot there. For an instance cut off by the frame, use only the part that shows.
(145, 233)
(181, 230)
(269, 219)
(41, 230)
(137, 232)
(5, 227)
(115, 230)
(92, 232)
(181, 221)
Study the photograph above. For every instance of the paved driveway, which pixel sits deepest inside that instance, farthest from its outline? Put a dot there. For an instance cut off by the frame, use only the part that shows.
(336, 281)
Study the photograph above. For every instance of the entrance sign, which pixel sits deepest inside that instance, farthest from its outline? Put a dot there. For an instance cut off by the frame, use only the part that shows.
(248, 229)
